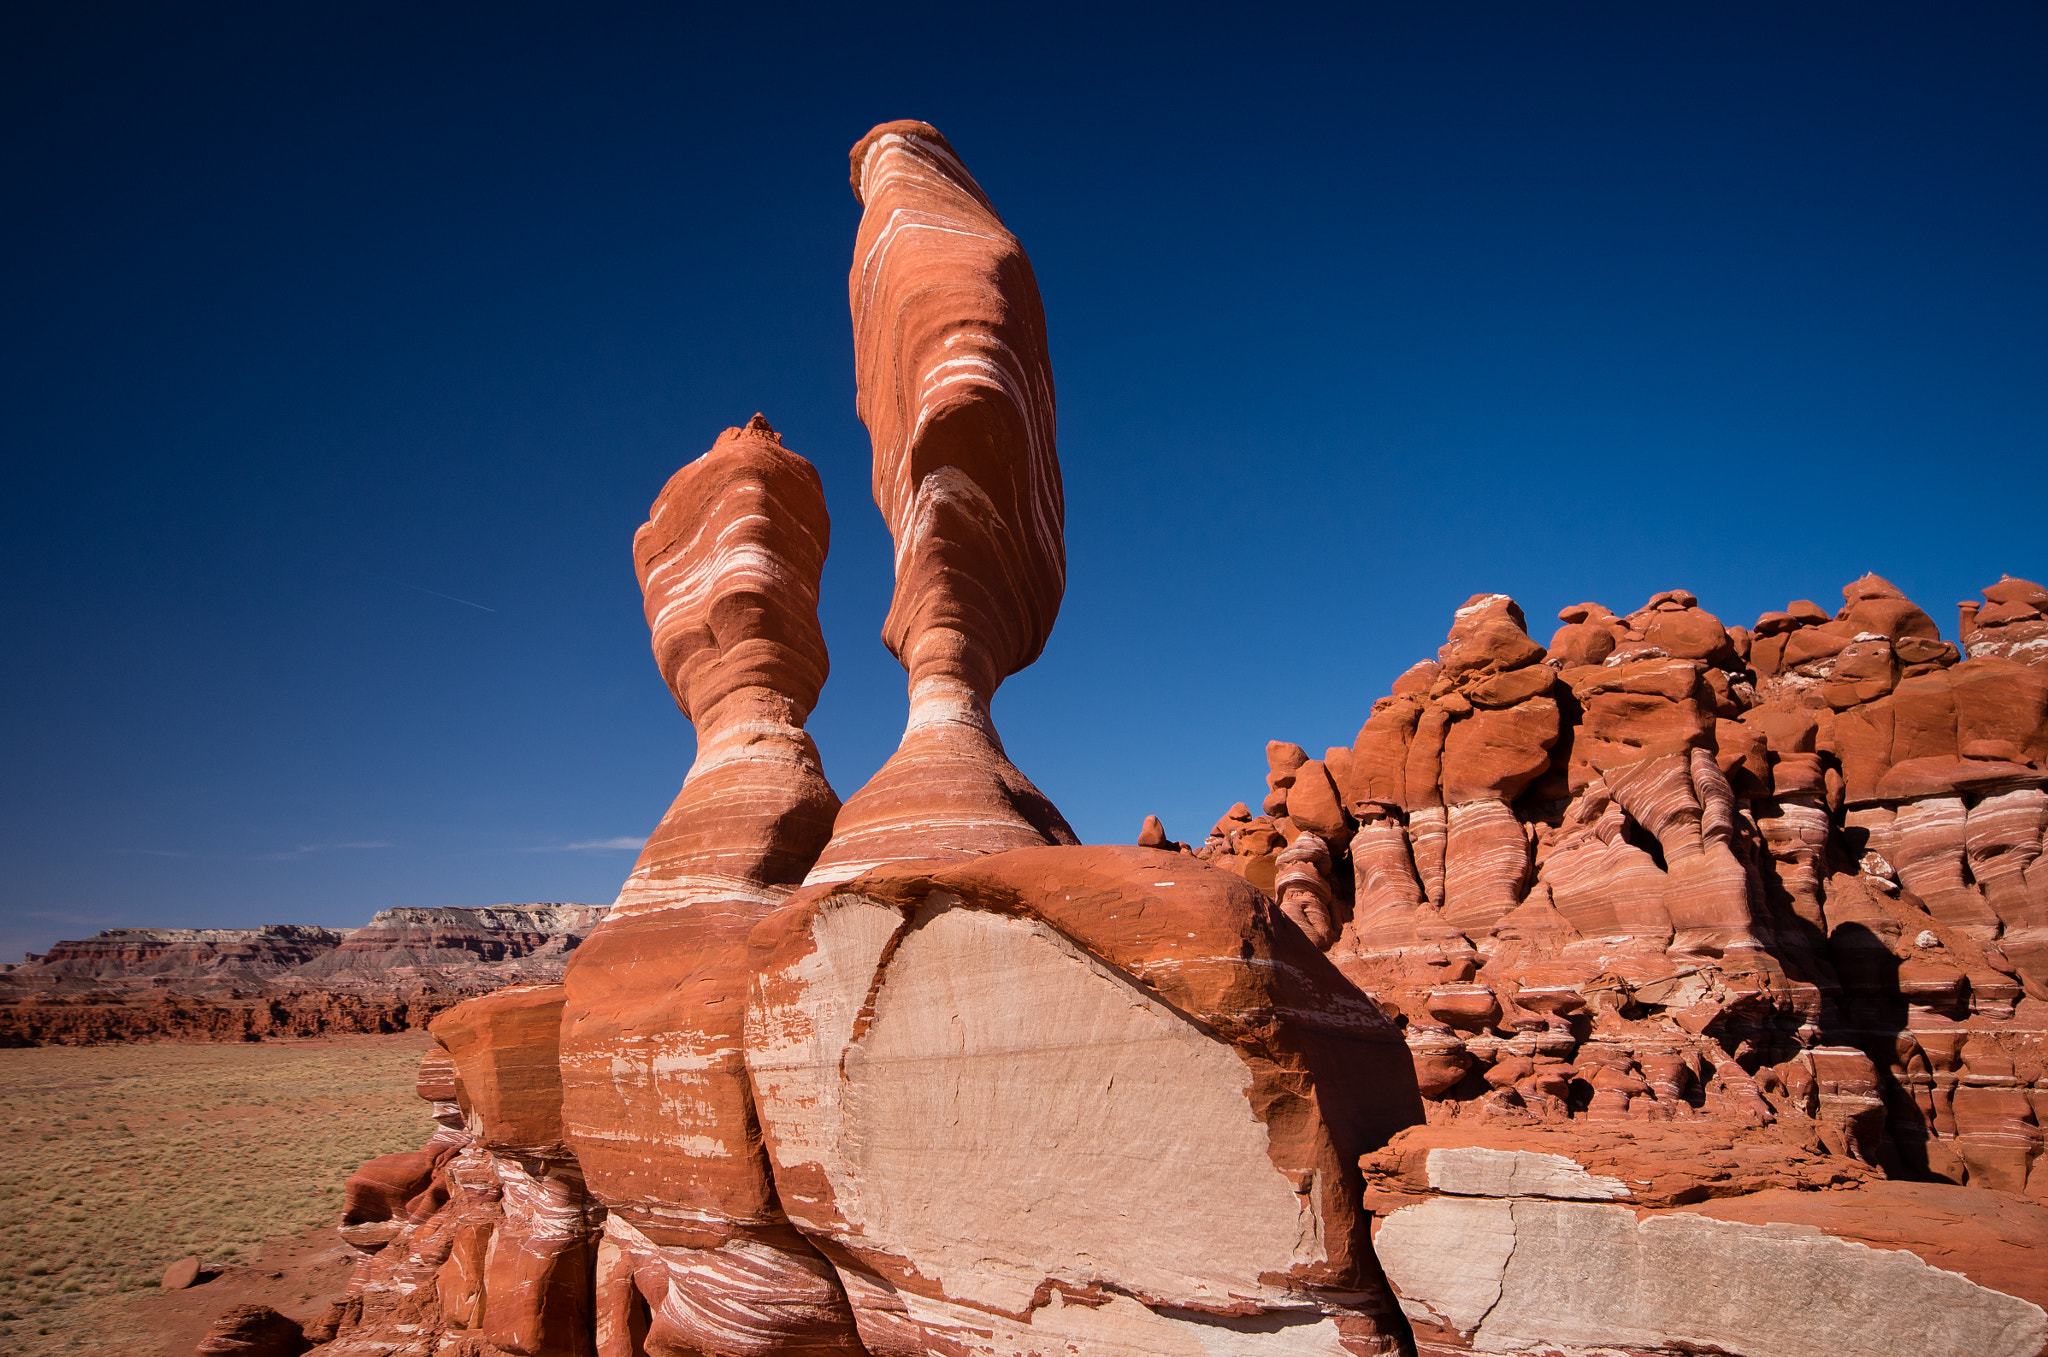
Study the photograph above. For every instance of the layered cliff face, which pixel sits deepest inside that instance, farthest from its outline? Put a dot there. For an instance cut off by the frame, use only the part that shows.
(283, 980)
(251, 954)
(1671, 988)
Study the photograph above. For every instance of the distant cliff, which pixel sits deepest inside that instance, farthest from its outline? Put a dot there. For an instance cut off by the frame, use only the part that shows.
(282, 980)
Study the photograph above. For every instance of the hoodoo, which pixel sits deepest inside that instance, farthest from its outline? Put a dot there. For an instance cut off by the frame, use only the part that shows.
(955, 387)
(1700, 919)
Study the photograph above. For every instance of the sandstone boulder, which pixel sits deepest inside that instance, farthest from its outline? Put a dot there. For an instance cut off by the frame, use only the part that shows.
(253, 1331)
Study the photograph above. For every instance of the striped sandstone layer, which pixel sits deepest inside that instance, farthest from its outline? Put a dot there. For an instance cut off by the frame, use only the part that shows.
(955, 387)
(1728, 915)
(729, 561)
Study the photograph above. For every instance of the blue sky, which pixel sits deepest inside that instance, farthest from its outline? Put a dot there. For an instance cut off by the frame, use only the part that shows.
(347, 345)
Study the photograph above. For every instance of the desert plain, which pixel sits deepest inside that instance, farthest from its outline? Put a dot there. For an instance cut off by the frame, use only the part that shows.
(125, 1159)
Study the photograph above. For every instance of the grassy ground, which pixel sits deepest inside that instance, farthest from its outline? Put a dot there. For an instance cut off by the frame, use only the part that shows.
(123, 1159)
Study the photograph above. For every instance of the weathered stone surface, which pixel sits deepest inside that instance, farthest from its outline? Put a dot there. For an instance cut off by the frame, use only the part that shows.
(253, 1331)
(1674, 988)
(956, 390)
(247, 954)
(1684, 871)
(655, 1104)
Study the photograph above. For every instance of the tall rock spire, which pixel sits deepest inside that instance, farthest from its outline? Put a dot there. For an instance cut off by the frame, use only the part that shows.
(956, 390)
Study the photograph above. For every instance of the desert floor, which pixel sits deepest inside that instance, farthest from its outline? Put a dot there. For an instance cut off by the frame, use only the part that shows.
(124, 1159)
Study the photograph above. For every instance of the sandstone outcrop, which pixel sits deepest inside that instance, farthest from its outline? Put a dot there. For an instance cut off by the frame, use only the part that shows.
(284, 980)
(955, 387)
(1719, 952)
(484, 1241)
(757, 1118)
(253, 1331)
(1670, 1240)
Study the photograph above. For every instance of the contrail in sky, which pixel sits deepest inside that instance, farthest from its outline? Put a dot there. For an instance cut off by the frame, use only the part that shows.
(416, 588)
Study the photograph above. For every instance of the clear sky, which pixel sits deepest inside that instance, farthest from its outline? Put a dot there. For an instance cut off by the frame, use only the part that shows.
(347, 344)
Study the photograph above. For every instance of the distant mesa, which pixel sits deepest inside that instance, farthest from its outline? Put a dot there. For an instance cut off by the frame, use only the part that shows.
(283, 980)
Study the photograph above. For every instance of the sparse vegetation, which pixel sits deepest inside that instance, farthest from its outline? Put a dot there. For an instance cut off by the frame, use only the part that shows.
(237, 1144)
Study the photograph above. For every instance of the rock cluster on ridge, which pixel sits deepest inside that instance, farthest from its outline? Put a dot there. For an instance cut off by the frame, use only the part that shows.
(1671, 988)
(1675, 894)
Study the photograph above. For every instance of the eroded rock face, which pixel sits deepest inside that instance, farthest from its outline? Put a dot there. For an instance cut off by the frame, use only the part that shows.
(1670, 870)
(412, 937)
(495, 1248)
(253, 1331)
(1175, 1084)
(249, 954)
(1630, 994)
(955, 388)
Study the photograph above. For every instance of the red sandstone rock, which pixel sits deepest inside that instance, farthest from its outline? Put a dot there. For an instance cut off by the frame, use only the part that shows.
(1834, 851)
(956, 390)
(1690, 943)
(253, 1331)
(506, 1049)
(1486, 1234)
(181, 1274)
(1152, 834)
